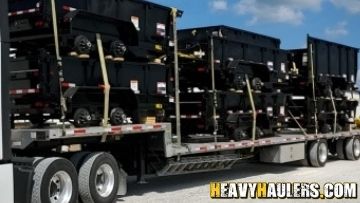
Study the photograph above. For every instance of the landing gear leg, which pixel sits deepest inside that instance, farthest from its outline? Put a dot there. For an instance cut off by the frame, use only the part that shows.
(141, 161)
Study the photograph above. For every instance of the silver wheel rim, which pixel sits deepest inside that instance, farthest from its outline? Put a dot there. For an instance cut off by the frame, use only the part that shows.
(104, 180)
(356, 147)
(323, 152)
(60, 188)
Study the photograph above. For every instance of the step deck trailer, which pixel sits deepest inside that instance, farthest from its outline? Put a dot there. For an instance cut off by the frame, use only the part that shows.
(200, 157)
(97, 176)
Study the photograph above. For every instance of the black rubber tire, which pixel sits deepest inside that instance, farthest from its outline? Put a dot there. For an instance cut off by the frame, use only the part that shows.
(315, 152)
(117, 48)
(43, 173)
(256, 83)
(117, 116)
(351, 153)
(79, 117)
(87, 173)
(340, 149)
(37, 160)
(78, 158)
(82, 45)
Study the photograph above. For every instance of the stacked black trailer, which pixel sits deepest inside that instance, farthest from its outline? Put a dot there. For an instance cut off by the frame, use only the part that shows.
(322, 85)
(136, 35)
(238, 55)
(311, 88)
(230, 79)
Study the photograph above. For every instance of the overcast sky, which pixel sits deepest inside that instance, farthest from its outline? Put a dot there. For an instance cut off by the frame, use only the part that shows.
(289, 20)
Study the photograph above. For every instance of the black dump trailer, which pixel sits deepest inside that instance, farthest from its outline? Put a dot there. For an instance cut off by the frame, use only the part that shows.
(322, 85)
(136, 88)
(152, 30)
(237, 56)
(133, 34)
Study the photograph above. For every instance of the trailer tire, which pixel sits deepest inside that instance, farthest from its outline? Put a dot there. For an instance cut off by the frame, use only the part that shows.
(117, 116)
(82, 117)
(99, 178)
(352, 149)
(340, 151)
(56, 179)
(78, 159)
(318, 153)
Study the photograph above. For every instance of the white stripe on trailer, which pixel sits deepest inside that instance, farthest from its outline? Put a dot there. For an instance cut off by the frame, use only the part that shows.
(114, 130)
(68, 85)
(68, 8)
(245, 144)
(23, 91)
(76, 132)
(297, 98)
(16, 13)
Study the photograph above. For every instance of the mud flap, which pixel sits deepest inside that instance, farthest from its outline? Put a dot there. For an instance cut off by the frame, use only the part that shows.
(122, 182)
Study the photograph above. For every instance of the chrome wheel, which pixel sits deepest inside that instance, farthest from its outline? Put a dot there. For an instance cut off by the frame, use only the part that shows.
(60, 188)
(104, 180)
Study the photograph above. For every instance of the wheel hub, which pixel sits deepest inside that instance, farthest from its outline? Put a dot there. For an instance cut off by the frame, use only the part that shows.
(104, 180)
(60, 188)
(117, 116)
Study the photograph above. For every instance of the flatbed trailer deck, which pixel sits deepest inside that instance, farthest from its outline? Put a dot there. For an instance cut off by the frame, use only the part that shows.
(287, 146)
(22, 138)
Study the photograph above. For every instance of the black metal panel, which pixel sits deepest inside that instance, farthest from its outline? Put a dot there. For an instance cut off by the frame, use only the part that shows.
(233, 44)
(334, 59)
(229, 33)
(86, 73)
(4, 62)
(147, 14)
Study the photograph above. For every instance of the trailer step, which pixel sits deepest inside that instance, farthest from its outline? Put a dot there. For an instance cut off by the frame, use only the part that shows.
(199, 164)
